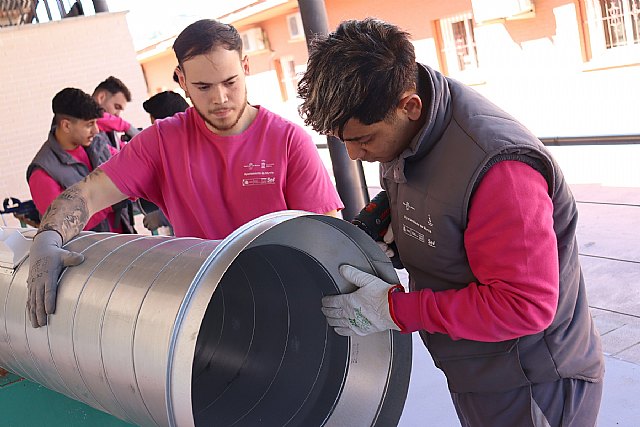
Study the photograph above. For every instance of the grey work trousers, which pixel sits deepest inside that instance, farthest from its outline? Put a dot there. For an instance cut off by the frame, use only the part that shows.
(563, 403)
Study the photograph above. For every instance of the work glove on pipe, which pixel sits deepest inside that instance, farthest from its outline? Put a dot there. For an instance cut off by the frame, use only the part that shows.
(46, 261)
(364, 311)
(154, 220)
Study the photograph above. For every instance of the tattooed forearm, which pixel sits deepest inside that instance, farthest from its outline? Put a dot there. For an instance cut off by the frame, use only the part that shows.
(92, 176)
(68, 214)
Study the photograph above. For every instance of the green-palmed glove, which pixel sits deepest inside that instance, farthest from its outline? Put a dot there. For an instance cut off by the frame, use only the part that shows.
(46, 261)
(364, 311)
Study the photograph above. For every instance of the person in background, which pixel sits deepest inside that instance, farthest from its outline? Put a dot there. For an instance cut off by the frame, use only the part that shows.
(69, 154)
(213, 168)
(164, 104)
(113, 95)
(484, 223)
(160, 106)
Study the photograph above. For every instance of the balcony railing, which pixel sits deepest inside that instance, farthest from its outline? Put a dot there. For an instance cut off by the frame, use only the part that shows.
(21, 12)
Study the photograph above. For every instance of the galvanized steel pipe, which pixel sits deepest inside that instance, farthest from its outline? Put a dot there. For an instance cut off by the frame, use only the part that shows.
(162, 331)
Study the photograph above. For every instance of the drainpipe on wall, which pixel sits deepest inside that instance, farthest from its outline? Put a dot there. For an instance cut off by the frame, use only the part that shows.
(349, 175)
(100, 6)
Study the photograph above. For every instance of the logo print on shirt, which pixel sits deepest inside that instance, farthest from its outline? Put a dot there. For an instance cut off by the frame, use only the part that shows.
(262, 164)
(412, 232)
(258, 181)
(408, 206)
(417, 230)
(258, 173)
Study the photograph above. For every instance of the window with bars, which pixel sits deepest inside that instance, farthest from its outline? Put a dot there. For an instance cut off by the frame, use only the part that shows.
(613, 23)
(458, 44)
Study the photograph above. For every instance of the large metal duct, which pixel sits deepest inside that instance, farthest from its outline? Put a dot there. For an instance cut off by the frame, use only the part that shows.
(162, 331)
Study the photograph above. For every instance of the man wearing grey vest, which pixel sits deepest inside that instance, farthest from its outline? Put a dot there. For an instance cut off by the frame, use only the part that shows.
(484, 222)
(70, 153)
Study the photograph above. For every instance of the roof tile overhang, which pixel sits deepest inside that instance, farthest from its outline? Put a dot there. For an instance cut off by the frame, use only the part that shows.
(252, 13)
(258, 11)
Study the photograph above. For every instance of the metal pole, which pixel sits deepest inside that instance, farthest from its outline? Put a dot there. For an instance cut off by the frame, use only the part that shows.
(100, 6)
(350, 180)
(591, 140)
(46, 6)
(61, 8)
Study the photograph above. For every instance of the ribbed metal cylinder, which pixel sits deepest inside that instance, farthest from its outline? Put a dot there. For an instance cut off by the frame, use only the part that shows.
(162, 331)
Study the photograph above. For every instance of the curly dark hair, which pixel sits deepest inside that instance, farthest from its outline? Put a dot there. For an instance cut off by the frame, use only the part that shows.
(113, 85)
(203, 36)
(75, 103)
(359, 71)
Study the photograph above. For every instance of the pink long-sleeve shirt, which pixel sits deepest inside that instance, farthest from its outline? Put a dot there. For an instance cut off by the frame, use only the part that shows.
(109, 122)
(512, 250)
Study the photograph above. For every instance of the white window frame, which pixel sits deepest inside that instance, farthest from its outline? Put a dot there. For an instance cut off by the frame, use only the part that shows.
(496, 10)
(253, 40)
(297, 19)
(461, 60)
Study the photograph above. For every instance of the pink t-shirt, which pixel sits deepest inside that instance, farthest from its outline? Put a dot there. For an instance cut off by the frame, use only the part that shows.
(209, 185)
(45, 189)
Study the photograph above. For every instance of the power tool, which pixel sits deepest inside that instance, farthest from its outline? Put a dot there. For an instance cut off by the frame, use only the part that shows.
(25, 211)
(374, 219)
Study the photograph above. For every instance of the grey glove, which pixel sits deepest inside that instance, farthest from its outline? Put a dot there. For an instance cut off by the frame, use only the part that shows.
(46, 261)
(364, 311)
(154, 220)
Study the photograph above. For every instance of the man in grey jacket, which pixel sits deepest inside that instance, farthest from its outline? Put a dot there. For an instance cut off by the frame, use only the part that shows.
(484, 223)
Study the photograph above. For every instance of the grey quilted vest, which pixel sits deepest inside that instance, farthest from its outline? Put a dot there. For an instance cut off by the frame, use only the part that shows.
(430, 187)
(64, 168)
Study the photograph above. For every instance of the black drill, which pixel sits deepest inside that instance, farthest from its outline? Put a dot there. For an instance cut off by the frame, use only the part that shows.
(374, 219)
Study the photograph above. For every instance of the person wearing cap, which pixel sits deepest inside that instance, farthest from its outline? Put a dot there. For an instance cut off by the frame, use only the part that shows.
(160, 106)
(70, 153)
(164, 104)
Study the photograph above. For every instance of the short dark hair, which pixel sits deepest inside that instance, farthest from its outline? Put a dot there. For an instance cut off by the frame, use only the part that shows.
(203, 36)
(75, 103)
(165, 104)
(359, 71)
(113, 85)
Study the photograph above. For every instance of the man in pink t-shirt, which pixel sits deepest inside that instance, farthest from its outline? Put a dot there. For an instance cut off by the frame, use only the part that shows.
(230, 180)
(211, 169)
(113, 95)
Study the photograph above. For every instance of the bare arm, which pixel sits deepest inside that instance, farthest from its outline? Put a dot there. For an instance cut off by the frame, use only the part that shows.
(333, 213)
(71, 210)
